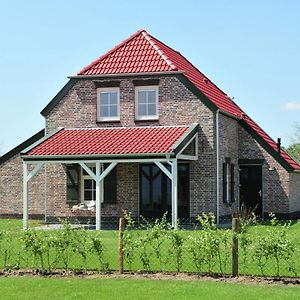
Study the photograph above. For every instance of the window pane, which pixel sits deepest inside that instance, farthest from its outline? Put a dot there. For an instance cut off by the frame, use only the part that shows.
(151, 109)
(145, 191)
(72, 193)
(110, 187)
(88, 184)
(104, 111)
(104, 98)
(142, 110)
(114, 98)
(156, 189)
(88, 195)
(142, 97)
(114, 111)
(151, 97)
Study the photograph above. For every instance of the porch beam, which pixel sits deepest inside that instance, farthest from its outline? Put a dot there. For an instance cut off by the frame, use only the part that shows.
(164, 169)
(106, 160)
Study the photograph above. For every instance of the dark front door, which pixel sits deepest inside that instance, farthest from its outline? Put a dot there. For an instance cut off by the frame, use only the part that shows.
(251, 188)
(155, 191)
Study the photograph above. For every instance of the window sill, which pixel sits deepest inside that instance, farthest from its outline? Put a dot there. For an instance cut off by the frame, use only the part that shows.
(108, 121)
(147, 120)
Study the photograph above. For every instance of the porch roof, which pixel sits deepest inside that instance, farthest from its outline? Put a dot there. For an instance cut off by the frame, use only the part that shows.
(112, 142)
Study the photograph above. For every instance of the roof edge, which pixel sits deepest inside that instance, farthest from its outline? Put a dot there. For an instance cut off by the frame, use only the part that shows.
(197, 92)
(41, 140)
(125, 74)
(5, 157)
(266, 146)
(65, 89)
(227, 114)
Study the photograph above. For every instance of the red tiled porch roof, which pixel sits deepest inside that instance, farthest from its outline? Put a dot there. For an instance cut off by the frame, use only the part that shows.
(117, 141)
(142, 53)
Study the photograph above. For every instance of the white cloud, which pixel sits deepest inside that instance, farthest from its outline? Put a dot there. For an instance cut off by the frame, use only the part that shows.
(292, 105)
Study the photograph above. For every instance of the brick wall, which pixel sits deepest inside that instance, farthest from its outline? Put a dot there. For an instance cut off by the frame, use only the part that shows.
(228, 148)
(11, 189)
(294, 192)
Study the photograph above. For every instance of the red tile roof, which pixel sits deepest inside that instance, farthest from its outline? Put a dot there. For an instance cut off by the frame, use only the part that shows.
(108, 141)
(142, 53)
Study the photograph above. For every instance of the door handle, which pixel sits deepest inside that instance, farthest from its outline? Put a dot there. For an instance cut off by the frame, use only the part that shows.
(259, 193)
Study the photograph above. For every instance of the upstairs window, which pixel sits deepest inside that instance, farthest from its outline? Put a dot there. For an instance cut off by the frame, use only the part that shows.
(108, 104)
(146, 102)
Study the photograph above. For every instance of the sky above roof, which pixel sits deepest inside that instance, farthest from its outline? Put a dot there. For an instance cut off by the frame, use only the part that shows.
(250, 50)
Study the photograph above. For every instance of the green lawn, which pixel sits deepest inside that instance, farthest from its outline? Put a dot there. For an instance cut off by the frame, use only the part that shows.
(16, 224)
(65, 288)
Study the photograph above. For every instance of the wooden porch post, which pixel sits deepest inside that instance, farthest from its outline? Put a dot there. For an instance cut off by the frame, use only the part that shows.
(98, 196)
(26, 177)
(25, 197)
(174, 194)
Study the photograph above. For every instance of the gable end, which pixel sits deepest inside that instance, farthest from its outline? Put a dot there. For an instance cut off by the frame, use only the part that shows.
(266, 146)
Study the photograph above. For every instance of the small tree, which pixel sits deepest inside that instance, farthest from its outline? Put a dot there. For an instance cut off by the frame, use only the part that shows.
(294, 149)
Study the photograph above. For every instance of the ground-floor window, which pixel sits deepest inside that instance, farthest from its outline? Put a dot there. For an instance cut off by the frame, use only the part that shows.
(82, 188)
(109, 186)
(88, 186)
(155, 191)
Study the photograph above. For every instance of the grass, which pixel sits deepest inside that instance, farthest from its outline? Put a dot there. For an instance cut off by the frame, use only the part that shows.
(16, 224)
(73, 288)
(66, 288)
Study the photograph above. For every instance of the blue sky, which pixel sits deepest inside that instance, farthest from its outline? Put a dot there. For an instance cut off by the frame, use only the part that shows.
(250, 49)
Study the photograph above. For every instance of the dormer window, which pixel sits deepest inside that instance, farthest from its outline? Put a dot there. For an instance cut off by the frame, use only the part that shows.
(146, 102)
(108, 104)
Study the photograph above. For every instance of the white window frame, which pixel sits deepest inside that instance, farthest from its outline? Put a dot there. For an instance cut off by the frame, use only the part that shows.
(107, 119)
(146, 88)
(82, 178)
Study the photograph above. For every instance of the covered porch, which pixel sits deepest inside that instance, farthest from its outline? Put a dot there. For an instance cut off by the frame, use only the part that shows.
(99, 151)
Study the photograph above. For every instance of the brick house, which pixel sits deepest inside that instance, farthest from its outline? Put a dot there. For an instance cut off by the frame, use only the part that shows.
(142, 129)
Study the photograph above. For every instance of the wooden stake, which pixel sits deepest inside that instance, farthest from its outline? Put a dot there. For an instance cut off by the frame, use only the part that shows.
(235, 247)
(121, 254)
